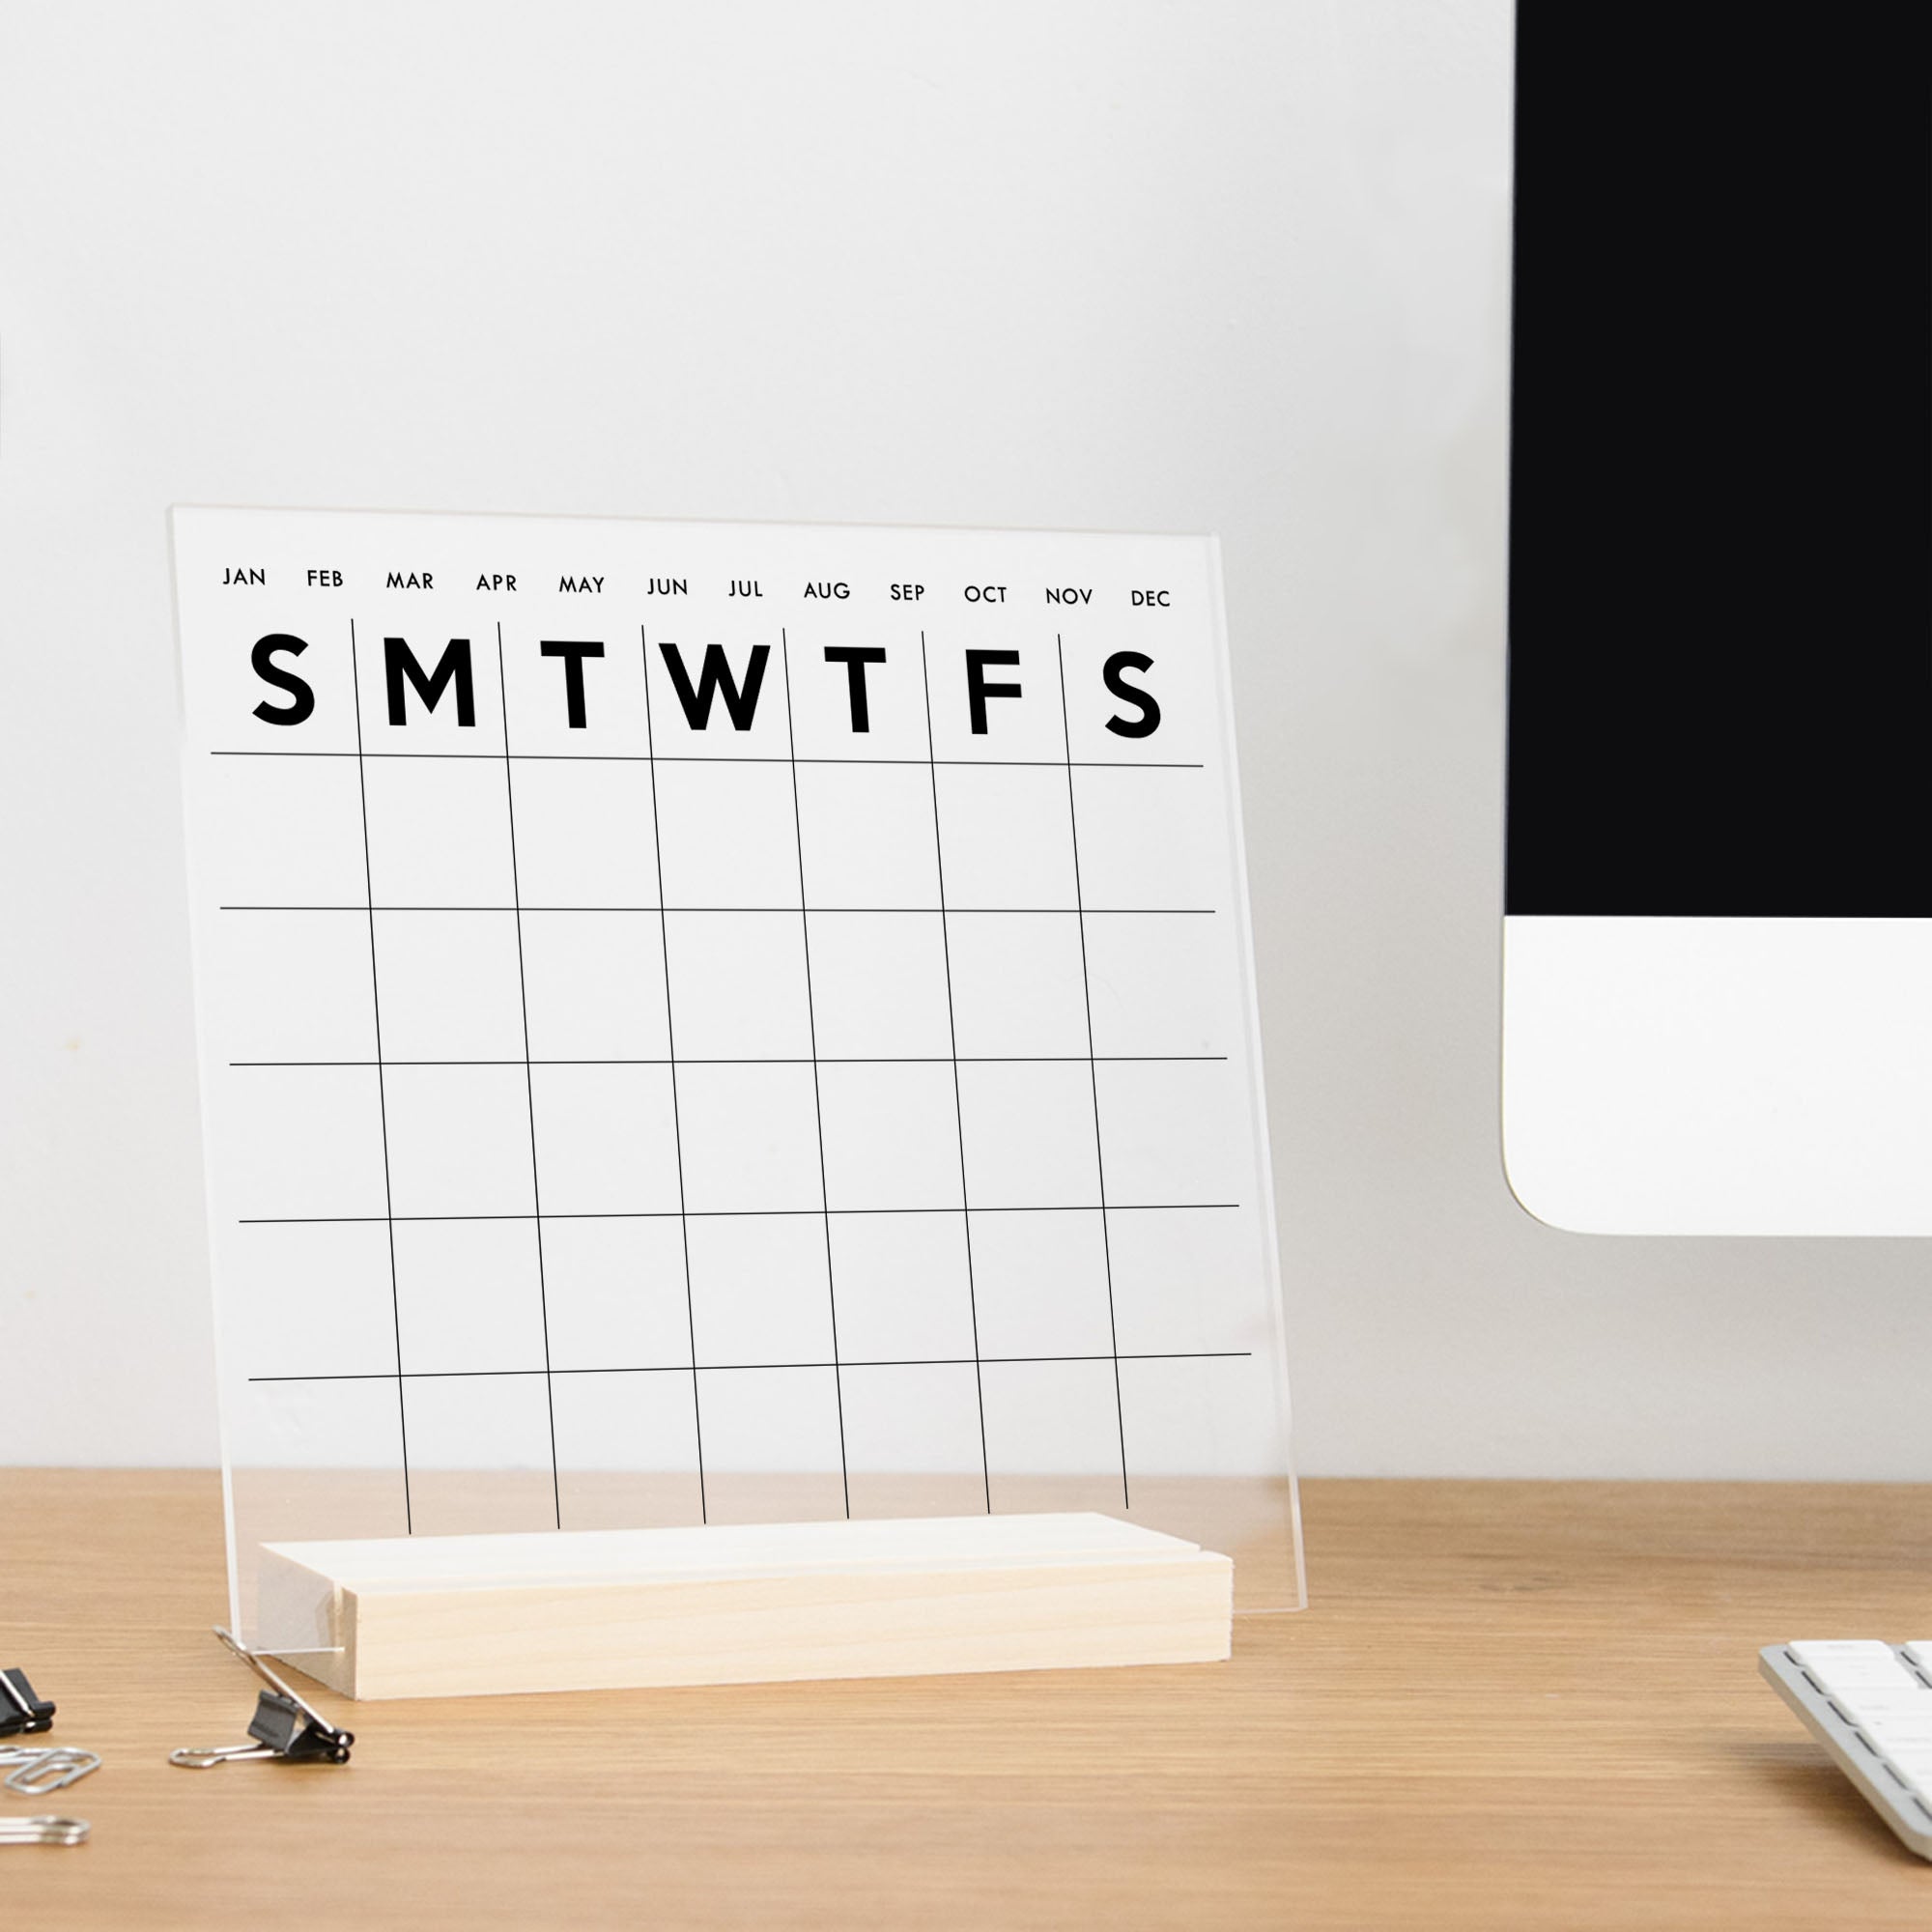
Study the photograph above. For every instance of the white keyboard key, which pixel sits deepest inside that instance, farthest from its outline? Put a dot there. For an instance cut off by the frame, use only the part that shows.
(1920, 1653)
(1880, 1701)
(1841, 1665)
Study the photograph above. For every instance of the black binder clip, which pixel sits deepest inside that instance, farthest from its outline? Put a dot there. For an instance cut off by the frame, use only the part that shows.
(285, 1725)
(20, 1710)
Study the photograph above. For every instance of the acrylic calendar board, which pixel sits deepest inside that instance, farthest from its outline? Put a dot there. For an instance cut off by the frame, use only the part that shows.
(724, 1023)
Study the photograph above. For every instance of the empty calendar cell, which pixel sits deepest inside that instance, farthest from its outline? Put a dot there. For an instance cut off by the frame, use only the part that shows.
(1029, 1135)
(459, 1141)
(626, 1450)
(293, 830)
(1053, 1419)
(451, 985)
(1039, 1283)
(738, 985)
(772, 1448)
(1153, 839)
(585, 833)
(313, 1298)
(1019, 984)
(914, 1421)
(1180, 1282)
(1006, 838)
(749, 1138)
(325, 1423)
(867, 835)
(304, 1142)
(605, 1139)
(470, 1296)
(594, 985)
(904, 1285)
(727, 834)
(481, 1454)
(294, 986)
(760, 1289)
(615, 1293)
(1174, 1132)
(879, 985)
(439, 832)
(1204, 1416)
(1161, 983)
(892, 1135)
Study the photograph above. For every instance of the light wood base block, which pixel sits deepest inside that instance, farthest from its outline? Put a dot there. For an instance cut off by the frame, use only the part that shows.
(607, 1609)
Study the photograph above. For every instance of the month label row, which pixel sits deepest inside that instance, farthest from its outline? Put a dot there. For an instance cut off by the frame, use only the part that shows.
(570, 584)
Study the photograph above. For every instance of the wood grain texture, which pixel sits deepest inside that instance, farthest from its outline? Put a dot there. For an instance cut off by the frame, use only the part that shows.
(1510, 1705)
(625, 1608)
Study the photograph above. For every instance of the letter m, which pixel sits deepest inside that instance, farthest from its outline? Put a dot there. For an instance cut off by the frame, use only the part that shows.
(399, 664)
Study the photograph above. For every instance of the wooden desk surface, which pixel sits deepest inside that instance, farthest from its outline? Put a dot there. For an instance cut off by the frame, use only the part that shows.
(1513, 1704)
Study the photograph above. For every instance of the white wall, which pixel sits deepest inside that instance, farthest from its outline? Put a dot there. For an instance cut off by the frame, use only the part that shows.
(1203, 265)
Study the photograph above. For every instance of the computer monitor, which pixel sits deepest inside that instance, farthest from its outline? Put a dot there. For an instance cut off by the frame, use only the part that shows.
(1718, 979)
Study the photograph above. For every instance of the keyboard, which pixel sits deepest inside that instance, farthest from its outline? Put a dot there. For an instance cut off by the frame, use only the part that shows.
(1871, 1705)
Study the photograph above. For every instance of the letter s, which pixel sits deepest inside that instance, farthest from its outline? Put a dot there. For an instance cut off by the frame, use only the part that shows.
(1144, 725)
(302, 699)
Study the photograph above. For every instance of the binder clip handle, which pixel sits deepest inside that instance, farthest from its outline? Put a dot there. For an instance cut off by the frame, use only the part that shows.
(20, 1709)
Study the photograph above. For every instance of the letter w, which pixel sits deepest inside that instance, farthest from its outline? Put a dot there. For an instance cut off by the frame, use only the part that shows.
(714, 678)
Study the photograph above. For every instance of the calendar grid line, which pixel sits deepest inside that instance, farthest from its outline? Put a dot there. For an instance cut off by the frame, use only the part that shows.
(824, 1060)
(530, 1080)
(958, 1106)
(1092, 1070)
(381, 1092)
(960, 912)
(732, 1368)
(731, 758)
(817, 1100)
(752, 1213)
(676, 1121)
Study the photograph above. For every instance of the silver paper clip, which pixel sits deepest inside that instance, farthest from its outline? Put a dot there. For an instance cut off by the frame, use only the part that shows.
(37, 1772)
(44, 1830)
(285, 1725)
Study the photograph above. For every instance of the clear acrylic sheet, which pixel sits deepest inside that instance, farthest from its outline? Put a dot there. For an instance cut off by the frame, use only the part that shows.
(726, 1023)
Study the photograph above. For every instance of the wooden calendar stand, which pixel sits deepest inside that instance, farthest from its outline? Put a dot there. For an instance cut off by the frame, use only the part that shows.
(607, 1609)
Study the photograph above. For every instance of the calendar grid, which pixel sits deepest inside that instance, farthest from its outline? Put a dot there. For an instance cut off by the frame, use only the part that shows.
(958, 1105)
(529, 1079)
(839, 1363)
(817, 1096)
(676, 1120)
(382, 1094)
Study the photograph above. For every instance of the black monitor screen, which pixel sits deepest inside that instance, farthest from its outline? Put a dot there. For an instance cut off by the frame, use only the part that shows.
(1720, 611)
